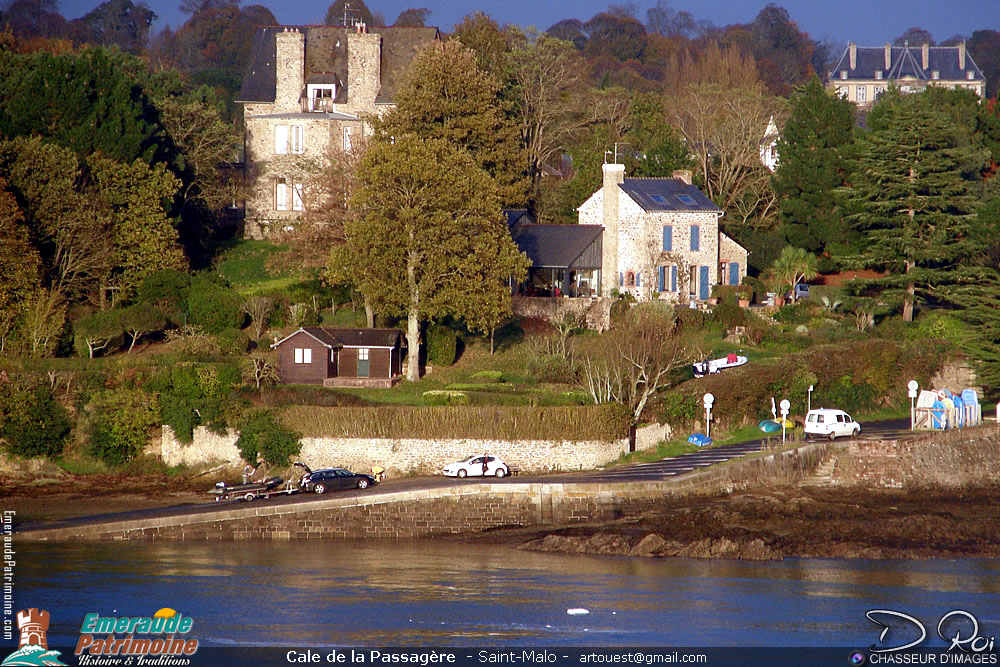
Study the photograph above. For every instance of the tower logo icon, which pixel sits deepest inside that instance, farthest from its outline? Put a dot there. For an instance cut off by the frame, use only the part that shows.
(33, 648)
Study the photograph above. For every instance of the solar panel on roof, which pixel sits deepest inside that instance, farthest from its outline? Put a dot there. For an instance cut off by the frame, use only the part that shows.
(686, 199)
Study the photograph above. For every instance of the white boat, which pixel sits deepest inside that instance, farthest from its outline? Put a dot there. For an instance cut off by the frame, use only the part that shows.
(715, 366)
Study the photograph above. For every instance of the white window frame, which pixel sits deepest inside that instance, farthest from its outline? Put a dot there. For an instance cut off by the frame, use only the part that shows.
(862, 94)
(281, 140)
(363, 353)
(298, 139)
(280, 195)
(297, 197)
(303, 355)
(316, 91)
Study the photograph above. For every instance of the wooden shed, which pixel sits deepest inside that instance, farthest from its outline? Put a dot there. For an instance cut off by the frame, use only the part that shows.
(341, 357)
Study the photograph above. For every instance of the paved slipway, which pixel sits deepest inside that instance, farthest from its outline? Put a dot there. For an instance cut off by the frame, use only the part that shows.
(657, 470)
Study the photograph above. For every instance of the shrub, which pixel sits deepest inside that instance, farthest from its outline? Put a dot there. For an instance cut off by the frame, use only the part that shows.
(194, 394)
(728, 313)
(551, 368)
(232, 342)
(168, 291)
(32, 422)
(96, 332)
(214, 307)
(442, 345)
(444, 397)
(122, 419)
(263, 437)
(488, 376)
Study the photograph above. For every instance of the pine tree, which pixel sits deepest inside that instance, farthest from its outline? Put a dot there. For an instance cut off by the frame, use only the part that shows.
(813, 149)
(909, 200)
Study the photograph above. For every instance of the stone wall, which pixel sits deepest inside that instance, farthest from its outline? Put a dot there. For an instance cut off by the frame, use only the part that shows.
(596, 312)
(411, 455)
(450, 509)
(954, 459)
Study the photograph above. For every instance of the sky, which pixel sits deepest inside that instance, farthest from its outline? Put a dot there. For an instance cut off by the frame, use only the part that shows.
(865, 22)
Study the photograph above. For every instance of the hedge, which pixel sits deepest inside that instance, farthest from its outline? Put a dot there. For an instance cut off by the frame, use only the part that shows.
(583, 423)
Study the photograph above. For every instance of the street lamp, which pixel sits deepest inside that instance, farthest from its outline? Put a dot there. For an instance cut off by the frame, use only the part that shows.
(784, 416)
(809, 403)
(912, 387)
(709, 399)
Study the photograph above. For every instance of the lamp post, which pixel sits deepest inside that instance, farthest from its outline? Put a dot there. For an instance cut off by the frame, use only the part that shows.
(912, 387)
(709, 399)
(784, 416)
(809, 399)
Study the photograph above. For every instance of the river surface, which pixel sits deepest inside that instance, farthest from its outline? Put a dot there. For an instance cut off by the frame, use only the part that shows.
(425, 593)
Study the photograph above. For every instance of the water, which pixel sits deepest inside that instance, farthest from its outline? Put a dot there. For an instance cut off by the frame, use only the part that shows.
(422, 593)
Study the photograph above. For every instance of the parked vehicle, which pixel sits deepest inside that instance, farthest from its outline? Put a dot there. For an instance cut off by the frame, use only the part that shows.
(473, 467)
(801, 291)
(829, 423)
(265, 488)
(334, 479)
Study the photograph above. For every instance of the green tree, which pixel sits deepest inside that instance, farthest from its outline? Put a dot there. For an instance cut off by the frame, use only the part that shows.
(214, 306)
(133, 198)
(430, 234)
(793, 266)
(19, 265)
(167, 289)
(263, 437)
(656, 148)
(908, 198)
(446, 96)
(140, 319)
(122, 419)
(813, 149)
(413, 17)
(32, 422)
(119, 22)
(96, 332)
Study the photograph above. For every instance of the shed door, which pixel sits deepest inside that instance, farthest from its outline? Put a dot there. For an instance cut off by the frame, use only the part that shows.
(703, 283)
(363, 362)
(734, 273)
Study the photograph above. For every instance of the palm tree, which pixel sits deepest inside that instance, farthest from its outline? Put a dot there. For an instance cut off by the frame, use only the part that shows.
(793, 266)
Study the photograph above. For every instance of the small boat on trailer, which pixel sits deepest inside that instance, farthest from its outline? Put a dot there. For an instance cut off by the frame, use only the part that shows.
(716, 366)
(265, 488)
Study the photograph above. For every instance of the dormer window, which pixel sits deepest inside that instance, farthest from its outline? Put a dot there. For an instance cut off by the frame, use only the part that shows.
(321, 96)
(878, 74)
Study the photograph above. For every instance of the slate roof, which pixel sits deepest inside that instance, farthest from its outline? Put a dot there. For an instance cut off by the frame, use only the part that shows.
(557, 245)
(326, 59)
(517, 217)
(334, 338)
(667, 194)
(905, 61)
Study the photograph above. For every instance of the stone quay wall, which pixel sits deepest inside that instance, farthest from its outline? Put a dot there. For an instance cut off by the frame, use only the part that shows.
(412, 455)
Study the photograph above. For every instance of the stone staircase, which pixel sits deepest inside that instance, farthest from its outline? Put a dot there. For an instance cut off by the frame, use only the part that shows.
(823, 475)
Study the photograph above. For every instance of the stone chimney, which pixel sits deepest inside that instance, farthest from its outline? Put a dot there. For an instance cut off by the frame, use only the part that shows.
(364, 69)
(853, 49)
(888, 56)
(925, 55)
(614, 175)
(683, 175)
(289, 65)
(961, 55)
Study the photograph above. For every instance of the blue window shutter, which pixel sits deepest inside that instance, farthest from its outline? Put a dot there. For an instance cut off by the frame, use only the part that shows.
(621, 279)
(695, 237)
(673, 278)
(662, 277)
(703, 279)
(668, 238)
(638, 278)
(734, 273)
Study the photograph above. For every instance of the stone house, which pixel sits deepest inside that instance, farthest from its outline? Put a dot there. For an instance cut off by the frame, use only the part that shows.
(661, 238)
(307, 90)
(865, 72)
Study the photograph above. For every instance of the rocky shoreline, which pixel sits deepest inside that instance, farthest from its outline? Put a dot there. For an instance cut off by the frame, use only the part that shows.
(790, 522)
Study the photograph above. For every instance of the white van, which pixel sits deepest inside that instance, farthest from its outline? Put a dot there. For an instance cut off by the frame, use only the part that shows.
(827, 423)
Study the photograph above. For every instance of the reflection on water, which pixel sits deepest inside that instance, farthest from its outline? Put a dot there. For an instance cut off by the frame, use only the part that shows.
(328, 593)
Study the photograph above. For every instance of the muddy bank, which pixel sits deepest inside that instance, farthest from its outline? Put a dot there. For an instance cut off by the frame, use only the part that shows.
(790, 521)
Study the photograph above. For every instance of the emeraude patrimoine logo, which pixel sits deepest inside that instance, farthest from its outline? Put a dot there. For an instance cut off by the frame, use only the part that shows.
(162, 634)
(33, 649)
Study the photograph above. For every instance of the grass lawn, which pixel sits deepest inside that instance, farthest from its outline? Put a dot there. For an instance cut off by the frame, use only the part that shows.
(243, 262)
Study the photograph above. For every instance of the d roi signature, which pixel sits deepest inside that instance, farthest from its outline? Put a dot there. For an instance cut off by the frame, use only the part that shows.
(956, 621)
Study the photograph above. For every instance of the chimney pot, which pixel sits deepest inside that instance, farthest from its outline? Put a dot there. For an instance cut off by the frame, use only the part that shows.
(853, 48)
(888, 56)
(925, 55)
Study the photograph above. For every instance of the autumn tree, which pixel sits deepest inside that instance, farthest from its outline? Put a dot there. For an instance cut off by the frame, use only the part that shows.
(19, 265)
(119, 22)
(914, 37)
(813, 149)
(446, 96)
(908, 197)
(430, 238)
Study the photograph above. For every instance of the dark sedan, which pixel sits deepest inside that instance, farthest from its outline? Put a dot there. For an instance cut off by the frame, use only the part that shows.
(334, 479)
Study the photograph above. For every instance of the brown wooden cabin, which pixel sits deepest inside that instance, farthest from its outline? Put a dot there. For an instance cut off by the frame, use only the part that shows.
(341, 357)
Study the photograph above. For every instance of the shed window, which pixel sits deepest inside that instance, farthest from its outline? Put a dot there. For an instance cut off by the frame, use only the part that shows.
(303, 355)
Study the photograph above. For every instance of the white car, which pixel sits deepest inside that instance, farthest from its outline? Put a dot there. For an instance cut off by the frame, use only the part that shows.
(473, 467)
(828, 423)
